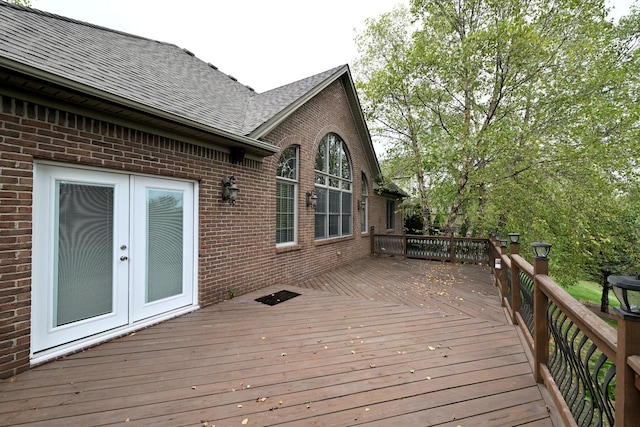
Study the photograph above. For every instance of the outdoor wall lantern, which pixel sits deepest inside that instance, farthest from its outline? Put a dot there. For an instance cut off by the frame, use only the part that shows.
(230, 190)
(312, 199)
(627, 290)
(541, 249)
(514, 237)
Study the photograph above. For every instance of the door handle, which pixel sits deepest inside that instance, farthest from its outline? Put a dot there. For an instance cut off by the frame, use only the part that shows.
(124, 258)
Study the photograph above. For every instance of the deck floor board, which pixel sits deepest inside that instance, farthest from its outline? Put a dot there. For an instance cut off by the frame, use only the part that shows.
(384, 342)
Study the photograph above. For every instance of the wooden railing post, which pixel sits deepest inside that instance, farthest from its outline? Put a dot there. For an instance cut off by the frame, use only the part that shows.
(492, 256)
(404, 244)
(372, 239)
(503, 268)
(540, 328)
(452, 250)
(514, 248)
(627, 393)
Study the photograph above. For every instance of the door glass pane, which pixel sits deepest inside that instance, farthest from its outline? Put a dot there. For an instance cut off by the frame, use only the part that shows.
(164, 244)
(83, 283)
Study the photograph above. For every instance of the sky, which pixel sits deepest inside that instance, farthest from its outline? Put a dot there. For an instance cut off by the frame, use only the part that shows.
(262, 43)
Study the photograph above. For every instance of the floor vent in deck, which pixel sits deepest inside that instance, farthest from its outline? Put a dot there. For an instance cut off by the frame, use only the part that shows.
(277, 298)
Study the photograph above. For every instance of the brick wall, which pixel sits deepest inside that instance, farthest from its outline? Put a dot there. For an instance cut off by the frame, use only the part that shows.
(237, 243)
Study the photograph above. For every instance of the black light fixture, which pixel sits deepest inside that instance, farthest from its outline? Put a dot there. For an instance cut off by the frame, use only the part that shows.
(230, 190)
(503, 243)
(541, 249)
(514, 237)
(627, 290)
(312, 199)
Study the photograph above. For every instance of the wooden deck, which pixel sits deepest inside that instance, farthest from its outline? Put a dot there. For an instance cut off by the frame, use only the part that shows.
(410, 346)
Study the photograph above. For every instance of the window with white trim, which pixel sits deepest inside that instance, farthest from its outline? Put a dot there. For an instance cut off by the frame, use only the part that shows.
(333, 187)
(364, 204)
(391, 210)
(287, 196)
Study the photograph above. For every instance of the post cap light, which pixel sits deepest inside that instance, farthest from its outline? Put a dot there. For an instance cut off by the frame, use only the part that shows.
(627, 290)
(514, 237)
(541, 249)
(503, 243)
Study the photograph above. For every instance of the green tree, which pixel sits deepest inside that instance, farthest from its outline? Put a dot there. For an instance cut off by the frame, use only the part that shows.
(509, 115)
(26, 3)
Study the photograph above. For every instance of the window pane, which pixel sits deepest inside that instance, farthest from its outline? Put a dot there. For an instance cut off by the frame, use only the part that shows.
(344, 161)
(334, 201)
(321, 157)
(346, 213)
(363, 215)
(288, 163)
(390, 213)
(164, 244)
(321, 213)
(285, 212)
(334, 222)
(335, 148)
(84, 252)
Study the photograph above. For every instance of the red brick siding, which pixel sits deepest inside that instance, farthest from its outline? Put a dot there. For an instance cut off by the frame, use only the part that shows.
(236, 243)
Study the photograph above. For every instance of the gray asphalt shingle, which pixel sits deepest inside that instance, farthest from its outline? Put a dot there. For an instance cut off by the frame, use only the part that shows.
(147, 72)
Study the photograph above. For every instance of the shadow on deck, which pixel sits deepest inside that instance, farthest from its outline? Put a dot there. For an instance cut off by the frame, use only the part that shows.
(381, 342)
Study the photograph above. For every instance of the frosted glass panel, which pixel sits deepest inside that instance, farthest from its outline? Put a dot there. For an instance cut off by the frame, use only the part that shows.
(83, 282)
(164, 244)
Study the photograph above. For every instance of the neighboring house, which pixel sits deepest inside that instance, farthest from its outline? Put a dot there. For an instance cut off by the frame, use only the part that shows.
(113, 153)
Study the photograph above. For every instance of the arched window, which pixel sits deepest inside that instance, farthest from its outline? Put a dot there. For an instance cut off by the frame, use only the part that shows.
(287, 196)
(333, 188)
(364, 205)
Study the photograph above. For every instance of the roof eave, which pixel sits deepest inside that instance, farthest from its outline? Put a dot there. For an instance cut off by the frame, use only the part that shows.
(254, 145)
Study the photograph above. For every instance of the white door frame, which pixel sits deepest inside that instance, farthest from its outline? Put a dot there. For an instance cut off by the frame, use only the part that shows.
(48, 342)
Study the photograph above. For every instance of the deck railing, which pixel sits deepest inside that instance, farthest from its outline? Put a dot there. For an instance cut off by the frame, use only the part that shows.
(591, 370)
(436, 248)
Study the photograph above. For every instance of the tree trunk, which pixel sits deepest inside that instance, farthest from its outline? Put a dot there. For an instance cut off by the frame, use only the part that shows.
(604, 301)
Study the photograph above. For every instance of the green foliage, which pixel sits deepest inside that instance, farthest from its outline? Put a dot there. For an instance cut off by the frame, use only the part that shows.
(26, 3)
(515, 116)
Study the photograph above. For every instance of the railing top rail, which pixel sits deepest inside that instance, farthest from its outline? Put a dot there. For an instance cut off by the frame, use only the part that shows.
(506, 260)
(602, 334)
(523, 265)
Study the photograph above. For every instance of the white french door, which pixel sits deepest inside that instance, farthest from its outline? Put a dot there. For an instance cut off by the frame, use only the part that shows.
(109, 250)
(162, 246)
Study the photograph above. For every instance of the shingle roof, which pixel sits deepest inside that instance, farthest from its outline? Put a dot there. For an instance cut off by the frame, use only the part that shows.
(147, 72)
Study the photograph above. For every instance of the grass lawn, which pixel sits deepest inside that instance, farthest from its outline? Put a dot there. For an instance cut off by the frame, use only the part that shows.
(590, 291)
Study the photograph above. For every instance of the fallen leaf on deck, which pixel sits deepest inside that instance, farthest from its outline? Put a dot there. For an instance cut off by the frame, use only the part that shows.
(261, 399)
(372, 365)
(431, 348)
(193, 387)
(283, 354)
(239, 406)
(245, 421)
